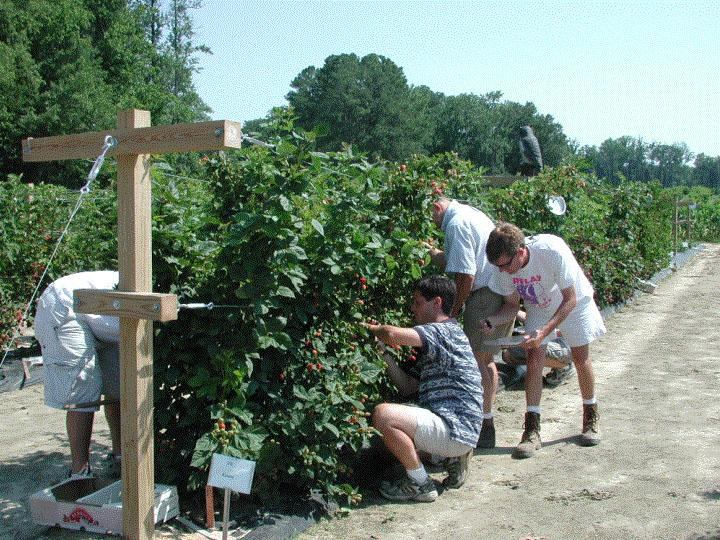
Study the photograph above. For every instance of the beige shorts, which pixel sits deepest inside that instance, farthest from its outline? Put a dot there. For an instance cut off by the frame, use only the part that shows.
(433, 436)
(78, 368)
(481, 304)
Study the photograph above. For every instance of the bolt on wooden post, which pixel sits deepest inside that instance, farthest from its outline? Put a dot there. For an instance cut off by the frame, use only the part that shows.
(134, 302)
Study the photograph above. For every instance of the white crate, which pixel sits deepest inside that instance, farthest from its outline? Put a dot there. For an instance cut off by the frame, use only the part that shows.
(94, 505)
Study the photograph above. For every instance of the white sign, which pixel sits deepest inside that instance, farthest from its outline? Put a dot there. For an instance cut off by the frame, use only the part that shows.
(232, 473)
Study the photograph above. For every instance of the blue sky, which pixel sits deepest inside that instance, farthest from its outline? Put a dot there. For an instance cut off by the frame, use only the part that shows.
(602, 69)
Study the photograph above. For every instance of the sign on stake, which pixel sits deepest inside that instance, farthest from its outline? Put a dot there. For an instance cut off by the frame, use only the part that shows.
(232, 474)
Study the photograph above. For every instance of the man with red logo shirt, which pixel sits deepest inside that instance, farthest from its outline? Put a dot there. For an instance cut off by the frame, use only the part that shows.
(543, 272)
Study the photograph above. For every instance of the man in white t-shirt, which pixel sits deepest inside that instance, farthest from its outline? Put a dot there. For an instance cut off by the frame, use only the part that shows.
(556, 294)
(81, 358)
(466, 232)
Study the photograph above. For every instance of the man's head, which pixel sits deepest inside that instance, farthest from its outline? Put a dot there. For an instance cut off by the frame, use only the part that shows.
(439, 207)
(506, 248)
(433, 299)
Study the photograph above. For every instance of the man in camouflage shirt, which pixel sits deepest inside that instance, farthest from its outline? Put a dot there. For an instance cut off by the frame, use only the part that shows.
(448, 419)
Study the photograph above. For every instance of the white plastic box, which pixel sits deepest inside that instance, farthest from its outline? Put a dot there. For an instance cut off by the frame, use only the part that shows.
(94, 505)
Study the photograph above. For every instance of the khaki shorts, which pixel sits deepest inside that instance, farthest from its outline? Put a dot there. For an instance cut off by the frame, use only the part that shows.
(556, 350)
(78, 367)
(481, 304)
(433, 436)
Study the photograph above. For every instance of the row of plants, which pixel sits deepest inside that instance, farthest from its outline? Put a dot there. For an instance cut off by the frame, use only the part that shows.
(296, 248)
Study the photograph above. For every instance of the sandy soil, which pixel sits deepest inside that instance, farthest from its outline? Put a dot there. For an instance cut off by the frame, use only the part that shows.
(655, 475)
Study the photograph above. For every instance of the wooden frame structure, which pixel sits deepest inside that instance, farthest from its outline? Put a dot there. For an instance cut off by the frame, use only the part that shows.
(134, 302)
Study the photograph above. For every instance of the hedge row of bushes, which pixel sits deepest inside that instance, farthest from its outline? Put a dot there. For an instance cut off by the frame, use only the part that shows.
(302, 246)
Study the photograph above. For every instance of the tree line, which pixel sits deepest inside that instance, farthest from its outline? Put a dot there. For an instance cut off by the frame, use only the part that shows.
(68, 65)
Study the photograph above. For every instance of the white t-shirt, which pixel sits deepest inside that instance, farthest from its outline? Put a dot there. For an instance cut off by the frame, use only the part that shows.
(551, 268)
(104, 327)
(466, 234)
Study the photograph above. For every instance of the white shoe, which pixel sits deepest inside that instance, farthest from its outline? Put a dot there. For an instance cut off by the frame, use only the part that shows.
(84, 474)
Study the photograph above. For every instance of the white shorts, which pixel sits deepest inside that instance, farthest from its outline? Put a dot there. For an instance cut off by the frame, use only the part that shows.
(74, 360)
(433, 436)
(582, 326)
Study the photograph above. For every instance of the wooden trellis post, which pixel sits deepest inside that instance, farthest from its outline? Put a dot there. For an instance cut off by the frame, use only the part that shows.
(134, 302)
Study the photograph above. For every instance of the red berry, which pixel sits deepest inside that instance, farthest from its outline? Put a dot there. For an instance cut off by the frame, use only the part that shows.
(363, 280)
(315, 353)
(310, 367)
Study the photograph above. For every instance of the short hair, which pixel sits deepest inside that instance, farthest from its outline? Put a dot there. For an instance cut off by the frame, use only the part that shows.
(434, 286)
(505, 239)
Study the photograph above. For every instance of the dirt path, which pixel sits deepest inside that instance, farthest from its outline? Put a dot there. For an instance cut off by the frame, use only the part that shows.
(655, 475)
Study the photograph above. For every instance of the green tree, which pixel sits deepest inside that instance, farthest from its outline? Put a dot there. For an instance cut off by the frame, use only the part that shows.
(363, 101)
(68, 65)
(670, 163)
(706, 171)
(624, 157)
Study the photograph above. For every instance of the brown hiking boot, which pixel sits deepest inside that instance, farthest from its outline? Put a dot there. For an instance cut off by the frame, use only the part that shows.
(590, 435)
(530, 440)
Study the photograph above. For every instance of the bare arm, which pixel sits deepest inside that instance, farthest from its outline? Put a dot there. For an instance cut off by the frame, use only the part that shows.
(508, 310)
(406, 384)
(566, 306)
(463, 284)
(436, 255)
(395, 335)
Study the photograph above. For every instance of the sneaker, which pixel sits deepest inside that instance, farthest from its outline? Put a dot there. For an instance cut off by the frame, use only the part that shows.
(84, 474)
(457, 469)
(590, 435)
(407, 490)
(113, 466)
(530, 441)
(487, 434)
(558, 375)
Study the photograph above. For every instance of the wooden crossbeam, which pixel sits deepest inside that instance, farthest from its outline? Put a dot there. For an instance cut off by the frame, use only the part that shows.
(215, 135)
(150, 306)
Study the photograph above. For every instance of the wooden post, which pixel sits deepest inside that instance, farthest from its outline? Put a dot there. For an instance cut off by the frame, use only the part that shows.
(136, 306)
(136, 336)
(675, 227)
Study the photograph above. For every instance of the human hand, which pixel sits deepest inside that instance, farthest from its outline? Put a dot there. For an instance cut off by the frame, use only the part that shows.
(486, 327)
(533, 340)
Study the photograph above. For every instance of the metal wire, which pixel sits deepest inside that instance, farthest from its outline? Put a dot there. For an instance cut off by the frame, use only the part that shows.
(110, 142)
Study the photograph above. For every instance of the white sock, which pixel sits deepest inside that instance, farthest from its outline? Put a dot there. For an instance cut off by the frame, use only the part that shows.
(533, 408)
(419, 476)
(591, 401)
(487, 416)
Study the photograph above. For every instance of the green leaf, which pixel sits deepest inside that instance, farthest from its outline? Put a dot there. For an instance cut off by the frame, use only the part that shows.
(300, 392)
(285, 291)
(318, 227)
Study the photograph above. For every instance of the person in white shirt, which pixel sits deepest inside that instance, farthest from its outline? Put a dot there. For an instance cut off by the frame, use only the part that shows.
(81, 358)
(466, 232)
(544, 273)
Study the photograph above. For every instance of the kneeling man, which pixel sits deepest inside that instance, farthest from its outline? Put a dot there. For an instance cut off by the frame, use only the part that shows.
(449, 416)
